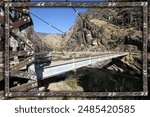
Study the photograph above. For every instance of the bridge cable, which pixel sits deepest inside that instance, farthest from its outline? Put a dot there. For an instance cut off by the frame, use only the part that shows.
(29, 12)
(46, 22)
(76, 11)
(87, 22)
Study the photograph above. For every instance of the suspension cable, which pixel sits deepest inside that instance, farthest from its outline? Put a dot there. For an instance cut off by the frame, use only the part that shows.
(29, 12)
(76, 11)
(87, 22)
(46, 22)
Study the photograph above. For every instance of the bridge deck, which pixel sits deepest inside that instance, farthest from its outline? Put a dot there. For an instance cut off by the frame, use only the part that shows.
(59, 67)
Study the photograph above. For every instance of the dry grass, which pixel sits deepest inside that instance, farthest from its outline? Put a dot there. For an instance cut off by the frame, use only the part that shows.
(110, 28)
(72, 82)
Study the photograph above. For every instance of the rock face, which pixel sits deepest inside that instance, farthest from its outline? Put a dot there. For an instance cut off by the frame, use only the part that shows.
(106, 29)
(53, 41)
(50, 42)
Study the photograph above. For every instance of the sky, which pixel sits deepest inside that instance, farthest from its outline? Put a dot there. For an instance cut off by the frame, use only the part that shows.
(62, 18)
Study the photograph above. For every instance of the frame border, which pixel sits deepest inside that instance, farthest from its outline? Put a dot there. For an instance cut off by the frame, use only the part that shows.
(144, 5)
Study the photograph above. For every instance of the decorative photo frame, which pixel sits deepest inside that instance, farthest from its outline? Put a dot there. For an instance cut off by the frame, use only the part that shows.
(8, 5)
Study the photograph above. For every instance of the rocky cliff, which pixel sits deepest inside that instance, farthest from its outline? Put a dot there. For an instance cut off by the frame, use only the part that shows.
(106, 29)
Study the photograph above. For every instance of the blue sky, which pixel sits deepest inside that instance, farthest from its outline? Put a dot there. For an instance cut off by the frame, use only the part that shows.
(62, 18)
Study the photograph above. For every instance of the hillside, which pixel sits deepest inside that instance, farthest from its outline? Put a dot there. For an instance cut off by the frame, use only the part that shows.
(48, 42)
(110, 30)
(105, 30)
(53, 41)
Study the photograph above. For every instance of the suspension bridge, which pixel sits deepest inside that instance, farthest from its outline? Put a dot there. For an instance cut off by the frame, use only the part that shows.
(40, 71)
